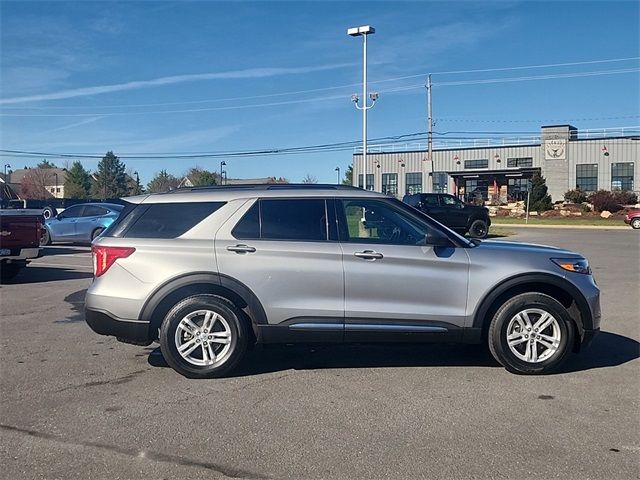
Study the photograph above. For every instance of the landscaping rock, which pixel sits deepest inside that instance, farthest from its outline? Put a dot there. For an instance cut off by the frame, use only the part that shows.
(605, 214)
(533, 214)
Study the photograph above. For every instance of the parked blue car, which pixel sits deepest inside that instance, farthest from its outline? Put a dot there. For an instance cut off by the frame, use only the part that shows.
(80, 223)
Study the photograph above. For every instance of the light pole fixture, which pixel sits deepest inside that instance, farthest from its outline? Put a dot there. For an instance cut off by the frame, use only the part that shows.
(363, 32)
(222, 164)
(5, 171)
(337, 169)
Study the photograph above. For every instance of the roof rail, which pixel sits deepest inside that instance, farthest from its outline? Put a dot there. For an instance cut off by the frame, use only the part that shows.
(264, 186)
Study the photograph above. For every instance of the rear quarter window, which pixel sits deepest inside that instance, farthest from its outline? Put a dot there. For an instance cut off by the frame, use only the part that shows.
(161, 220)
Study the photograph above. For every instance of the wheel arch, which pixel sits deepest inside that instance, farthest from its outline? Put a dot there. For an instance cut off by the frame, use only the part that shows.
(172, 291)
(556, 287)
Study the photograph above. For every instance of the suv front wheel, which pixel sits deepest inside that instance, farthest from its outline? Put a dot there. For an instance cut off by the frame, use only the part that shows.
(531, 333)
(203, 336)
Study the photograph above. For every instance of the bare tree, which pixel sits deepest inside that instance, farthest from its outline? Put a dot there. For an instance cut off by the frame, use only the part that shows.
(308, 178)
(34, 184)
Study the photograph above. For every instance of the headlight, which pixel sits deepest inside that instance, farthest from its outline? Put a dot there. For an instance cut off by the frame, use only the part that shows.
(578, 265)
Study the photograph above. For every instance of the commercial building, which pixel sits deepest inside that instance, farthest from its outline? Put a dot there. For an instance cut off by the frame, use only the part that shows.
(500, 169)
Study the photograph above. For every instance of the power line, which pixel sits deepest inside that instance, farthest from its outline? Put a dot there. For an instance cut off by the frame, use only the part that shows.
(322, 89)
(319, 148)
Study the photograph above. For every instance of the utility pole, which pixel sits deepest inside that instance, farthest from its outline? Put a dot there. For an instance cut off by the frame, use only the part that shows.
(430, 129)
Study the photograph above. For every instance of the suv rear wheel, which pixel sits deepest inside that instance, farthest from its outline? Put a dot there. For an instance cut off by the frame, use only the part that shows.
(203, 336)
(531, 333)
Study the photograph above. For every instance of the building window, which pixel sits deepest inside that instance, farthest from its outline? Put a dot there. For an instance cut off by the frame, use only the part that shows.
(587, 177)
(369, 181)
(517, 189)
(483, 163)
(440, 182)
(622, 176)
(476, 190)
(390, 184)
(520, 162)
(414, 183)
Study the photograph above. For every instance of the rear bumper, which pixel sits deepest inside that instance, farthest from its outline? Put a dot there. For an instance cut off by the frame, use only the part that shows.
(21, 254)
(128, 331)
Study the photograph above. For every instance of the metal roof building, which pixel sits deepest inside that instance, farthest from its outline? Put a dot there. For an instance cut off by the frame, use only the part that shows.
(502, 168)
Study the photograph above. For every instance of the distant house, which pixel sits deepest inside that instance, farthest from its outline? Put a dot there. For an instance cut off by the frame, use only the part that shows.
(50, 179)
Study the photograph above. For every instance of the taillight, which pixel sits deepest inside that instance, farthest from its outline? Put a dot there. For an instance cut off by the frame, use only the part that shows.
(103, 257)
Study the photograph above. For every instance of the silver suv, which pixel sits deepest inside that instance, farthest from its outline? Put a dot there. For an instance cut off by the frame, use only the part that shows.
(208, 272)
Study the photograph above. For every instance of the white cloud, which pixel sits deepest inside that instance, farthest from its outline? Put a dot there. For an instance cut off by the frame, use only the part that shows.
(170, 80)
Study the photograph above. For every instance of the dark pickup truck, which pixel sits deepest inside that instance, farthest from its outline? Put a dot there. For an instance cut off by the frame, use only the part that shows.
(20, 234)
(452, 213)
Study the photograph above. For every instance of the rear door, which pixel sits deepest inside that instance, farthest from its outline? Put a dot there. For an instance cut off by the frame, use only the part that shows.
(280, 249)
(89, 221)
(395, 283)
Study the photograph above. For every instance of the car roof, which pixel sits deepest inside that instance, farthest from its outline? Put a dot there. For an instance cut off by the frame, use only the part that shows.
(113, 206)
(233, 192)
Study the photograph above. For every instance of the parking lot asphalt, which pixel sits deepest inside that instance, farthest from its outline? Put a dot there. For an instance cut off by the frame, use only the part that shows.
(79, 405)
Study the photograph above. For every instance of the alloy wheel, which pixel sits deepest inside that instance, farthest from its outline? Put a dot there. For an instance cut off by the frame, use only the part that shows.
(533, 335)
(203, 338)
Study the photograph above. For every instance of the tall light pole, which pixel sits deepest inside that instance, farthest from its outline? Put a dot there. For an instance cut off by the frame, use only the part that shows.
(5, 171)
(429, 86)
(363, 32)
(55, 174)
(222, 164)
(338, 170)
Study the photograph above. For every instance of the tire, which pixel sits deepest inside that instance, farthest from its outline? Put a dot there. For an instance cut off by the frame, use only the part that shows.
(509, 321)
(95, 233)
(49, 212)
(635, 223)
(9, 270)
(46, 238)
(228, 325)
(478, 229)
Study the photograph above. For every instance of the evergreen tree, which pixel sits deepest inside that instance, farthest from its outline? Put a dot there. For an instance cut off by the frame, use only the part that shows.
(110, 178)
(46, 164)
(201, 177)
(539, 200)
(162, 182)
(348, 176)
(77, 182)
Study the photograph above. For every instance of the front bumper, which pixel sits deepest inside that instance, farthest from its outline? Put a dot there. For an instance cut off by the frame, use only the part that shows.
(128, 331)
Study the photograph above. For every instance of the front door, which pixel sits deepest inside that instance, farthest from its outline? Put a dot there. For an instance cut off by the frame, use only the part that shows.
(63, 227)
(280, 249)
(395, 282)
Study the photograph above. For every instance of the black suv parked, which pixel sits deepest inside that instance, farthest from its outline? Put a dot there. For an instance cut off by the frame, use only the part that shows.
(452, 212)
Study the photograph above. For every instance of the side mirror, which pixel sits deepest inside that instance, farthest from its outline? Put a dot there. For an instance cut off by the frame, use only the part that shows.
(436, 239)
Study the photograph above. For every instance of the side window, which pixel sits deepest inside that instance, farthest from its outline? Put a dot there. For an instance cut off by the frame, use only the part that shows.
(293, 219)
(375, 221)
(71, 212)
(448, 201)
(162, 220)
(248, 228)
(94, 211)
(430, 200)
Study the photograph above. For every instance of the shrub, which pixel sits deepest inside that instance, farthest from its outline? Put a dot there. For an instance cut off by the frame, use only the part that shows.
(575, 196)
(604, 200)
(540, 200)
(625, 197)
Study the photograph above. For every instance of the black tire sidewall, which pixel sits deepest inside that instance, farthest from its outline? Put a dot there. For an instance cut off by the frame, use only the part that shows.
(96, 232)
(46, 238)
(203, 302)
(474, 225)
(498, 338)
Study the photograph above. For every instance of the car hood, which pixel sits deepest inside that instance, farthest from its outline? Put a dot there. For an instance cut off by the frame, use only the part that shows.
(518, 247)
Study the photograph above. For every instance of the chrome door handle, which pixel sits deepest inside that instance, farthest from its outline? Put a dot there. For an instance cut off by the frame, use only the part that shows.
(368, 255)
(241, 248)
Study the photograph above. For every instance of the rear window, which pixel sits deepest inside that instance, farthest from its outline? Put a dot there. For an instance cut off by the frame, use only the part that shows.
(160, 220)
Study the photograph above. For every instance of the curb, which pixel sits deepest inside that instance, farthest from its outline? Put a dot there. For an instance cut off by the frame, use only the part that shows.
(575, 227)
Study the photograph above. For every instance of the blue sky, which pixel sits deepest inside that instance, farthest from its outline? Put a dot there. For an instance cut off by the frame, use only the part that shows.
(168, 77)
